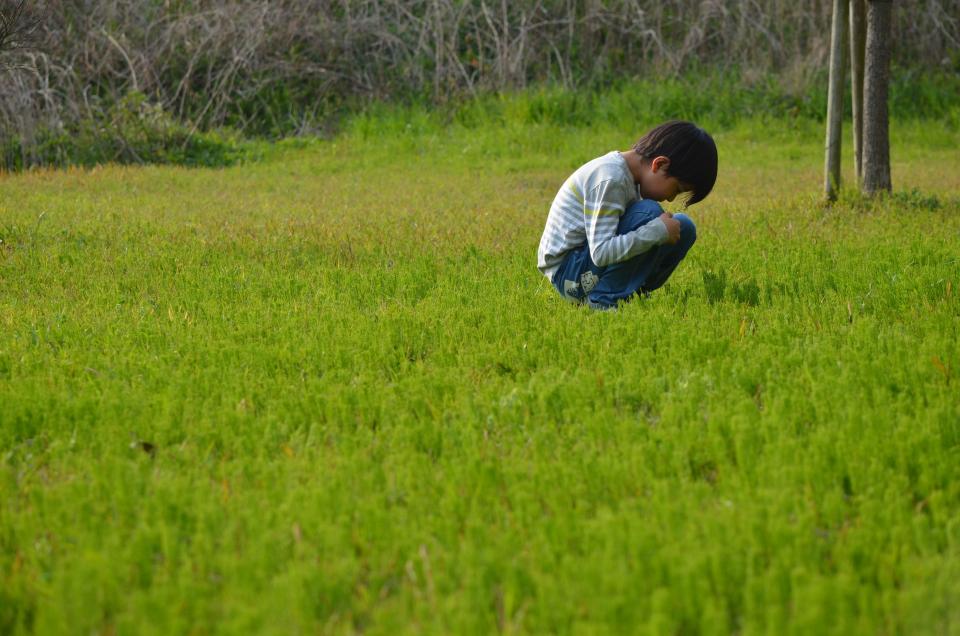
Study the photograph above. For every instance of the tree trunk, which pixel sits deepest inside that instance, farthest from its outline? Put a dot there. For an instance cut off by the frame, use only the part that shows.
(858, 43)
(831, 182)
(876, 133)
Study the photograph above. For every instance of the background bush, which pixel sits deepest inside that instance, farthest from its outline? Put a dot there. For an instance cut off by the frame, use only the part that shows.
(286, 67)
(131, 130)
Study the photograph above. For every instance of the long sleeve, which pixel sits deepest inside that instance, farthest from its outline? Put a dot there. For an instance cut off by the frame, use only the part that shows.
(603, 205)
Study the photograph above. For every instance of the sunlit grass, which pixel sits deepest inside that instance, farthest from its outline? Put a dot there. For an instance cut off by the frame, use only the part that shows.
(330, 392)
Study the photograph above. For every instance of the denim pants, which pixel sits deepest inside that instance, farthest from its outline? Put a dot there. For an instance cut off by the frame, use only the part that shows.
(580, 280)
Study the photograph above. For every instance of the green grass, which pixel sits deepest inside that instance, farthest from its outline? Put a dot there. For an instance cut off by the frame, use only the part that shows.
(135, 130)
(329, 392)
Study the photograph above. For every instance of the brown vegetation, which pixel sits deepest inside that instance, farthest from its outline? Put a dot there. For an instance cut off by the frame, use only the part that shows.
(281, 66)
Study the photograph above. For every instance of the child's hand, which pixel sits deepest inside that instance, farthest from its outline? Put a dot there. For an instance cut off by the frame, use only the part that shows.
(673, 228)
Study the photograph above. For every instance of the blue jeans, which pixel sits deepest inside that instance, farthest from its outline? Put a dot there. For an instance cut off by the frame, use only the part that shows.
(581, 280)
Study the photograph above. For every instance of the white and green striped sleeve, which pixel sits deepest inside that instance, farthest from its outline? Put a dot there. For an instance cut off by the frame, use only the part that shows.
(603, 204)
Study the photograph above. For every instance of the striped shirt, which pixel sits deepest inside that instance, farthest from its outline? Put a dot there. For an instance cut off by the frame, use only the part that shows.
(587, 210)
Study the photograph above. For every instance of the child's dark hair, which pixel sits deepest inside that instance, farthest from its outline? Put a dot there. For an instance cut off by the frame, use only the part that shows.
(692, 154)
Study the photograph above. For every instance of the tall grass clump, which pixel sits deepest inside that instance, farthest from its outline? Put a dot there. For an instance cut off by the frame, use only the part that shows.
(719, 102)
(130, 131)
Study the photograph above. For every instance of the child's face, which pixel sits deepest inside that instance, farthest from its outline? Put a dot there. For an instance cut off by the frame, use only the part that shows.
(658, 185)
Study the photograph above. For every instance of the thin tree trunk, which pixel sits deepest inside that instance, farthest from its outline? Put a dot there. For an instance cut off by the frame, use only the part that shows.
(858, 42)
(835, 100)
(876, 133)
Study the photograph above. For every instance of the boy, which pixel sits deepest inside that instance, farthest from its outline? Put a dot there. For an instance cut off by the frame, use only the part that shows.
(606, 237)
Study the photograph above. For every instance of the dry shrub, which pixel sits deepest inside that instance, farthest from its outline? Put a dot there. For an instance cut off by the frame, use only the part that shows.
(282, 66)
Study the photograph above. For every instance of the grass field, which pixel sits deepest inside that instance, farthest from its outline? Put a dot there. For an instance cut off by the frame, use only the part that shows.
(329, 392)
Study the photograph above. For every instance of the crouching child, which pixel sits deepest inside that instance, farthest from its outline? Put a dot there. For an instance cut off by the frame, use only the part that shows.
(606, 238)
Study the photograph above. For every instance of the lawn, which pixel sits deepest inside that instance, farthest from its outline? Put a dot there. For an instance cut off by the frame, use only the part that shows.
(328, 391)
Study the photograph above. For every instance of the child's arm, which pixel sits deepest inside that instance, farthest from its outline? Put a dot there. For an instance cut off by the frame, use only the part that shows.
(602, 207)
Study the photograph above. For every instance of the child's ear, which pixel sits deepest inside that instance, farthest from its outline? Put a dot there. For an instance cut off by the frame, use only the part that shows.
(660, 162)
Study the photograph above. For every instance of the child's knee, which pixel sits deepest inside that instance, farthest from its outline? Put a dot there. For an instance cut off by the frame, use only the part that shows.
(646, 207)
(688, 229)
(638, 214)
